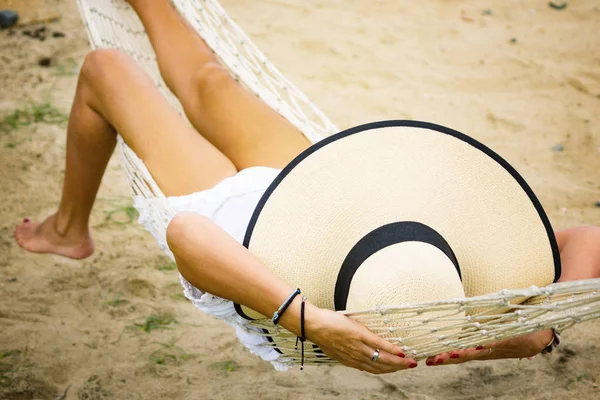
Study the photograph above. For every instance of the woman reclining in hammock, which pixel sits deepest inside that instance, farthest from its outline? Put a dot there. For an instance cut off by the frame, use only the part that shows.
(238, 141)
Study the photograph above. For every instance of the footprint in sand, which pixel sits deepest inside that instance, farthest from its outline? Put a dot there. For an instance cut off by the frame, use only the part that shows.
(137, 288)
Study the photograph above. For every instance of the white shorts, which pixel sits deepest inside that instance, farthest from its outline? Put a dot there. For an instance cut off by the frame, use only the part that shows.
(229, 204)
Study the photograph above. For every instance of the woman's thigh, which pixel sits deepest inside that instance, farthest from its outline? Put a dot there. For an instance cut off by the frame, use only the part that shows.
(238, 123)
(180, 160)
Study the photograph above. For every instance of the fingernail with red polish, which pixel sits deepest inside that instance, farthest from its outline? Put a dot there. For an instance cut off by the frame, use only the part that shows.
(479, 348)
(454, 355)
(401, 355)
(429, 362)
(413, 365)
(440, 361)
(26, 220)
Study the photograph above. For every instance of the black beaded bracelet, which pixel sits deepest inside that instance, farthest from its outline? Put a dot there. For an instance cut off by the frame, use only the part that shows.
(277, 314)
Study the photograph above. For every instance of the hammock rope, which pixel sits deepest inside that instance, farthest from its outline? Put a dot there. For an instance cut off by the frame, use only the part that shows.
(113, 24)
(428, 328)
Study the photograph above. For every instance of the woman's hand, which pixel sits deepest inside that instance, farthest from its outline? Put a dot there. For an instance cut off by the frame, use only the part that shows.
(352, 344)
(520, 347)
(580, 258)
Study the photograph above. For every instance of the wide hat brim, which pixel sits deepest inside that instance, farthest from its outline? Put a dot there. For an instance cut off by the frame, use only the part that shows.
(378, 183)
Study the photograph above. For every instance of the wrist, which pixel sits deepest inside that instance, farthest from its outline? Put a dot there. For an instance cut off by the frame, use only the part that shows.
(284, 306)
(291, 319)
(553, 343)
(312, 320)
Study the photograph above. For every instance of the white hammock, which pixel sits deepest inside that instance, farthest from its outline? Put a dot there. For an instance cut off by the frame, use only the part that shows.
(112, 24)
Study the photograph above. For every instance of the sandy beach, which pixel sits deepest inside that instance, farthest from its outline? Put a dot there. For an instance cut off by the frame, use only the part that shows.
(519, 76)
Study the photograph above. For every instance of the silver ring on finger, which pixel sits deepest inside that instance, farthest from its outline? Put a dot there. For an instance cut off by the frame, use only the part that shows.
(489, 351)
(375, 356)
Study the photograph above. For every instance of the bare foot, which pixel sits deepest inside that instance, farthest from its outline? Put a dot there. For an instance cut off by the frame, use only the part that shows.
(42, 237)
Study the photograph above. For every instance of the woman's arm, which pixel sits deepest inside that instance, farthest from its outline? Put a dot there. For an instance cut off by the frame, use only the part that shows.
(580, 259)
(214, 262)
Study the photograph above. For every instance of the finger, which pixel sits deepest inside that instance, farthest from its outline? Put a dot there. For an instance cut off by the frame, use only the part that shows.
(441, 359)
(458, 356)
(390, 360)
(470, 354)
(480, 353)
(377, 342)
(371, 367)
(385, 362)
(438, 359)
(375, 367)
(395, 362)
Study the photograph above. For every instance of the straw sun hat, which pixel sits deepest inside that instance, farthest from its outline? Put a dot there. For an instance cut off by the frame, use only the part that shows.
(399, 212)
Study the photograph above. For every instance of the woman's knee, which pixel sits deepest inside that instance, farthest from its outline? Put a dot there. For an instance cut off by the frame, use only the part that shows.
(106, 65)
(209, 80)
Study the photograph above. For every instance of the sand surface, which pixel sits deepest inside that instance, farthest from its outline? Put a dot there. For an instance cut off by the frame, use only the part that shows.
(522, 78)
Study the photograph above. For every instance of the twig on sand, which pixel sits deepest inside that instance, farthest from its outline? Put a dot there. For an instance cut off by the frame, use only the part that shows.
(64, 395)
(558, 5)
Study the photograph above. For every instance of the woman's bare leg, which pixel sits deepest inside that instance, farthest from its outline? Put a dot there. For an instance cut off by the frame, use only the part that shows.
(239, 124)
(66, 232)
(114, 94)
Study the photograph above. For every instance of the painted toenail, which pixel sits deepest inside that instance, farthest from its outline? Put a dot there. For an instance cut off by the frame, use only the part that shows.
(26, 220)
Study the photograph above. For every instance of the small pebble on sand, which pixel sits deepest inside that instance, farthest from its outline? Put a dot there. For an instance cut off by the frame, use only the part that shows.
(8, 18)
(558, 148)
(45, 62)
(597, 204)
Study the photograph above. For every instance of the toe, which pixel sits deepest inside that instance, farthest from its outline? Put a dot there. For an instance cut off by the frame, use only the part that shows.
(26, 228)
(23, 234)
(18, 237)
(18, 232)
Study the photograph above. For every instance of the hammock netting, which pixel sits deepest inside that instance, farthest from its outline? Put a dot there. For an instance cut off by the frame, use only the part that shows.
(427, 328)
